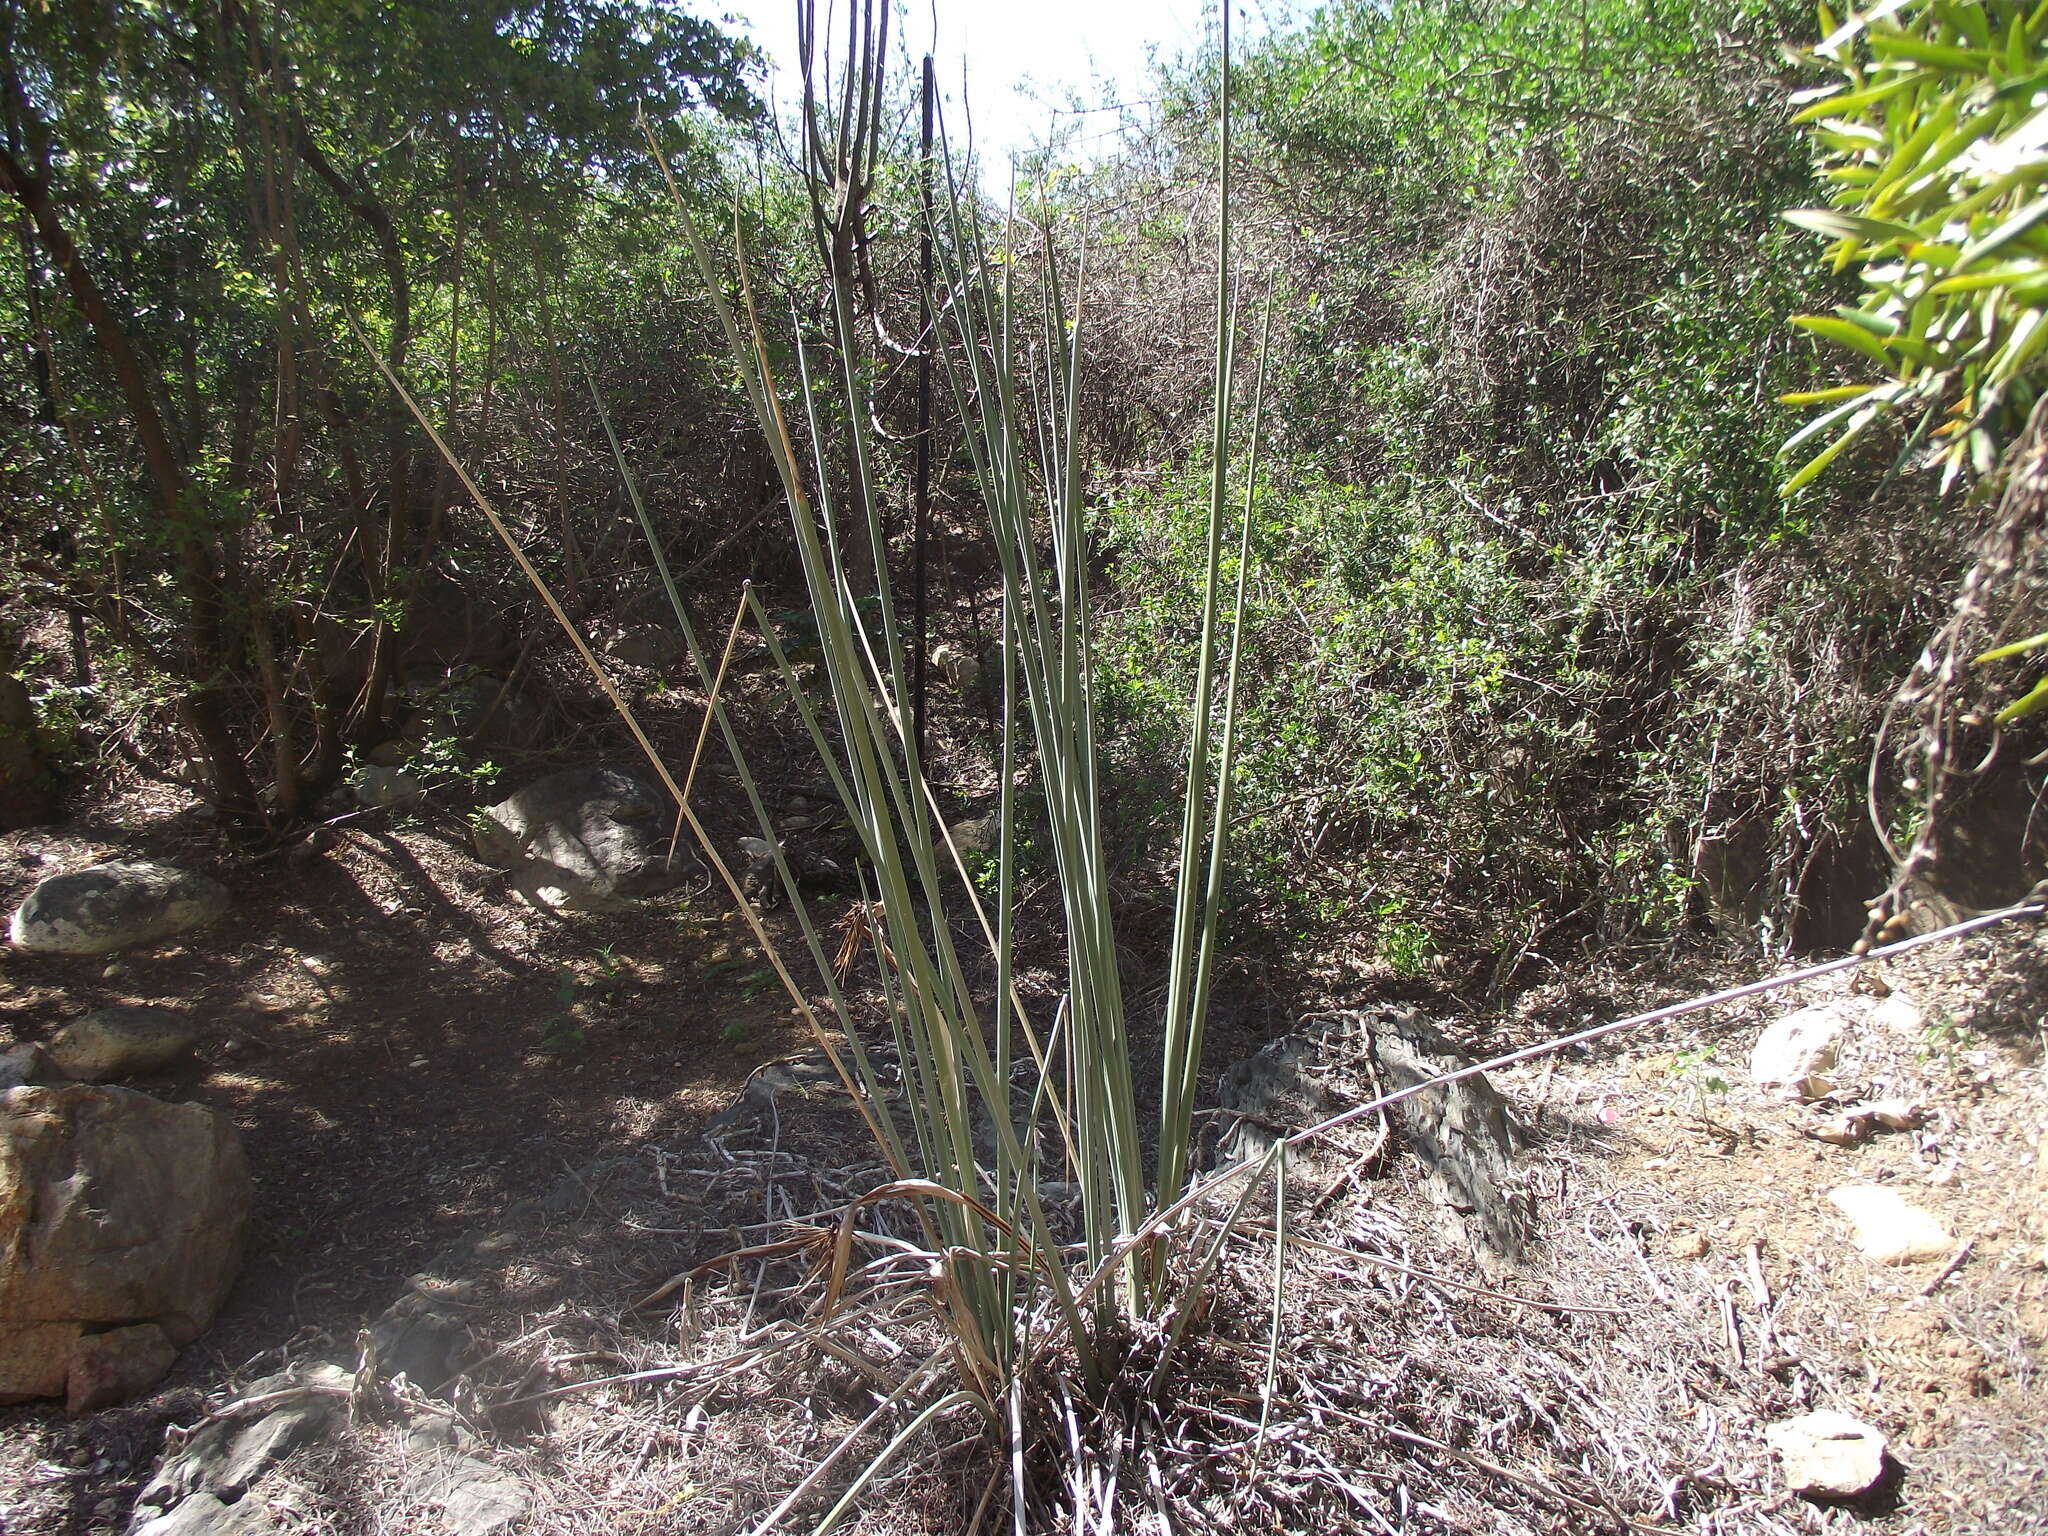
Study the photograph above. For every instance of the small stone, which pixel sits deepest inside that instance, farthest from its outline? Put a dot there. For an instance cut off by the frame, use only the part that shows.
(1687, 1245)
(1828, 1455)
(121, 1042)
(1796, 1051)
(387, 754)
(1890, 1230)
(1899, 1014)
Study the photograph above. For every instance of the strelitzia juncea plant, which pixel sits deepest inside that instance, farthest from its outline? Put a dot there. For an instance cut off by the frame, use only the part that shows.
(974, 1141)
(966, 1141)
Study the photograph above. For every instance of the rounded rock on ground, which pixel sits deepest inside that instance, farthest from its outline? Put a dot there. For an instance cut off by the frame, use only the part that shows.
(114, 906)
(648, 646)
(121, 1042)
(960, 669)
(116, 1209)
(1828, 1455)
(1889, 1228)
(1796, 1051)
(584, 837)
(382, 788)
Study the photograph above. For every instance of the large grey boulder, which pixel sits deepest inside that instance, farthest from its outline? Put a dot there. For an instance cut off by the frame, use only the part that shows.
(585, 837)
(121, 1042)
(116, 1210)
(113, 906)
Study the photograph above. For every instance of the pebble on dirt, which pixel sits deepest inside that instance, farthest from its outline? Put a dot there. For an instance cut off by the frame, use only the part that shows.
(113, 906)
(1890, 1229)
(1796, 1051)
(1827, 1454)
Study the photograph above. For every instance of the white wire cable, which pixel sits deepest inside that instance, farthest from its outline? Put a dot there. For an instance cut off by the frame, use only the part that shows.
(1675, 1010)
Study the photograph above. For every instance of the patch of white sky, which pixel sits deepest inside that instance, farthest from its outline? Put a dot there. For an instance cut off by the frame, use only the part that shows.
(1032, 70)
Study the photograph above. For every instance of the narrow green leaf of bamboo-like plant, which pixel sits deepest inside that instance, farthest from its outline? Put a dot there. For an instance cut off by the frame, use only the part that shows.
(2018, 648)
(1842, 333)
(1832, 100)
(1824, 458)
(1934, 55)
(2034, 701)
(1826, 221)
(1180, 1064)
(2013, 228)
(1826, 396)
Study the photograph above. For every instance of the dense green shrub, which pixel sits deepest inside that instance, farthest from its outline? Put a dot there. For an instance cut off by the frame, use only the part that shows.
(1541, 661)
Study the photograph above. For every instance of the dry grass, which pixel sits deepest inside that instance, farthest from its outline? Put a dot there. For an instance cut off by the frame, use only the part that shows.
(1615, 1380)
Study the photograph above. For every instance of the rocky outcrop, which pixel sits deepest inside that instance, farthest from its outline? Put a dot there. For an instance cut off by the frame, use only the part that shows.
(111, 1367)
(585, 837)
(26, 1064)
(115, 906)
(121, 1042)
(1461, 1133)
(116, 1211)
(200, 1488)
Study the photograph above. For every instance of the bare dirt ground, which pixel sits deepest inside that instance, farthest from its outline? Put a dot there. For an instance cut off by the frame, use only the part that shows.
(407, 1048)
